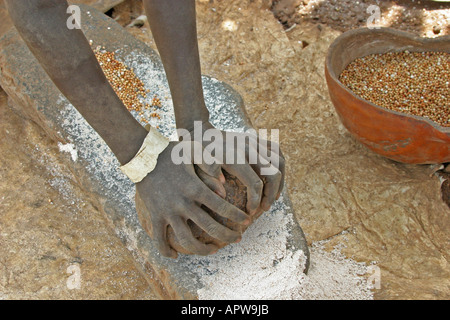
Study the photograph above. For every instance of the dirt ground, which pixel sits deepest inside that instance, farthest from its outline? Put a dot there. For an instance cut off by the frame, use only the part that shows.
(426, 18)
(272, 52)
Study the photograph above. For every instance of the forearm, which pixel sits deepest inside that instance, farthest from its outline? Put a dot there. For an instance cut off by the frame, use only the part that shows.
(173, 24)
(70, 62)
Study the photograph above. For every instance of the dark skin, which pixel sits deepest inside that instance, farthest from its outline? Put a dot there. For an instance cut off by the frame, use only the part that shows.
(70, 62)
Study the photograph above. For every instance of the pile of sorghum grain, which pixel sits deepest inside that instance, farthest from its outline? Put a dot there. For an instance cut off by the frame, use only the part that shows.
(416, 83)
(128, 87)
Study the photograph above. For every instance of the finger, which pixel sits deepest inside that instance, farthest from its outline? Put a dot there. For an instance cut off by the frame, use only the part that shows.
(282, 168)
(206, 162)
(213, 183)
(222, 207)
(214, 170)
(271, 188)
(212, 227)
(272, 146)
(268, 150)
(279, 162)
(275, 149)
(185, 238)
(160, 237)
(252, 181)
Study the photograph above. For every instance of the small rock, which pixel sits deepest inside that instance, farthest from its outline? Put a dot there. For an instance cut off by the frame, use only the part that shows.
(436, 29)
(138, 22)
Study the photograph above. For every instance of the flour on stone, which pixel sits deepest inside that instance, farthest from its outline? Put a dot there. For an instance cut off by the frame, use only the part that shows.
(69, 148)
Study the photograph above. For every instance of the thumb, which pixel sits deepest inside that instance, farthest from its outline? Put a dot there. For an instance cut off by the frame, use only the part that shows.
(213, 170)
(213, 183)
(207, 163)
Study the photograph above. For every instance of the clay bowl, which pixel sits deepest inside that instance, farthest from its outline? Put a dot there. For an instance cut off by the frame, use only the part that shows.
(397, 136)
(236, 195)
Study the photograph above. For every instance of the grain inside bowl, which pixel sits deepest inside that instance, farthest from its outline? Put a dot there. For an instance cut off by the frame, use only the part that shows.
(416, 83)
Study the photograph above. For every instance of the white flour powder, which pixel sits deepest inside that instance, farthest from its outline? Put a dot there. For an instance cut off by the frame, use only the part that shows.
(332, 276)
(261, 268)
(69, 148)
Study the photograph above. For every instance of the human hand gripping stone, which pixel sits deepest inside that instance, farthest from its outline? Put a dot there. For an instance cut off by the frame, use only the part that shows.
(181, 203)
(258, 163)
(191, 187)
(173, 194)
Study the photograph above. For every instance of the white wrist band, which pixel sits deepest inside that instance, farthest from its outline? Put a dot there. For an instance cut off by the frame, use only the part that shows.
(145, 160)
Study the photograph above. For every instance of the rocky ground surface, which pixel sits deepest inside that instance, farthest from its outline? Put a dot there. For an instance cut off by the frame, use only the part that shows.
(48, 228)
(375, 210)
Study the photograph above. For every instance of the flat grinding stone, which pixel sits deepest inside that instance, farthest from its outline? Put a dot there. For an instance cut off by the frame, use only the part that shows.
(273, 250)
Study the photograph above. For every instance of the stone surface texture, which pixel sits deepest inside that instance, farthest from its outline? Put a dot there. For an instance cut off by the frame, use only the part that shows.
(48, 225)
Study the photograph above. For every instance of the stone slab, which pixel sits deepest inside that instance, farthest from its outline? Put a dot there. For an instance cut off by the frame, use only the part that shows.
(276, 241)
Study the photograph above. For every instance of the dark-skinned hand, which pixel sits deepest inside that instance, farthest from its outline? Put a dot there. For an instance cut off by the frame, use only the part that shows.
(262, 189)
(174, 193)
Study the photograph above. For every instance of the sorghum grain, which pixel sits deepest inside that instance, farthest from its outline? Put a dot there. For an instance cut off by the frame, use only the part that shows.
(416, 83)
(128, 87)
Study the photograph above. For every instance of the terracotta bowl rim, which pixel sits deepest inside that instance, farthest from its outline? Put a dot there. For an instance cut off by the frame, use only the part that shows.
(383, 30)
